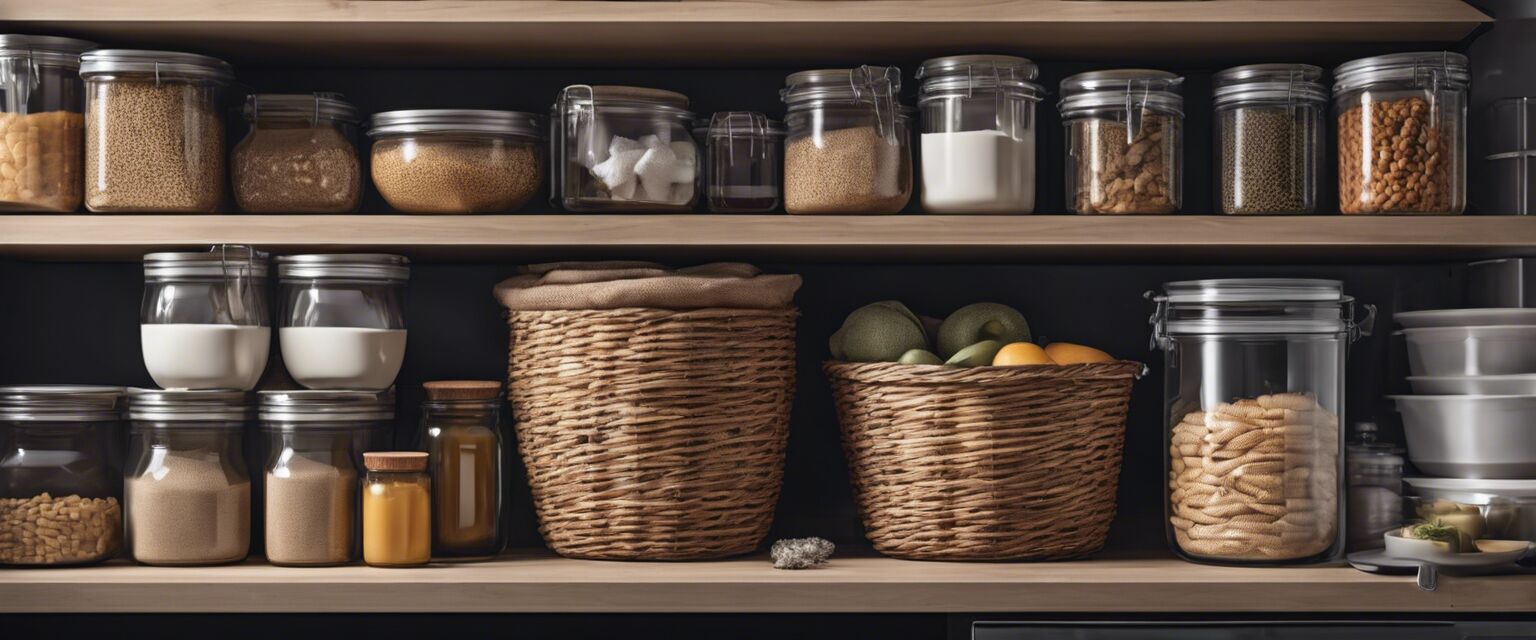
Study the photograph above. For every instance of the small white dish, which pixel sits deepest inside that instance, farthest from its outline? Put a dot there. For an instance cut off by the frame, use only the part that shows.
(1465, 317)
(1490, 552)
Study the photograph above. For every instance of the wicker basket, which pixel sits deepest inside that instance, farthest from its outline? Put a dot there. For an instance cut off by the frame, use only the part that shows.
(652, 434)
(986, 463)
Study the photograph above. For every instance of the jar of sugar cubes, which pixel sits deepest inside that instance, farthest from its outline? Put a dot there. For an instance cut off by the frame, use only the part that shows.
(620, 148)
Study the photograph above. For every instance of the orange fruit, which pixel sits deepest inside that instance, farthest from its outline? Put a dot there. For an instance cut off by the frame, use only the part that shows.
(1021, 353)
(1068, 353)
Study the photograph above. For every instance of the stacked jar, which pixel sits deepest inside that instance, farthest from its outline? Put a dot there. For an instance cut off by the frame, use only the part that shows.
(1269, 138)
(1125, 150)
(978, 140)
(456, 160)
(341, 321)
(204, 321)
(300, 155)
(41, 123)
(849, 142)
(616, 148)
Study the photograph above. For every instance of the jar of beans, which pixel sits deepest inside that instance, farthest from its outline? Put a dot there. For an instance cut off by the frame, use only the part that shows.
(849, 142)
(300, 155)
(154, 131)
(1402, 133)
(1269, 138)
(1125, 149)
(456, 160)
(41, 123)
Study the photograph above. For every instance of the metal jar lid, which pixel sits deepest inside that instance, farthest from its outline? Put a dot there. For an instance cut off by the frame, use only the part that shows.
(1287, 83)
(1122, 88)
(345, 266)
(45, 50)
(740, 124)
(483, 121)
(866, 84)
(623, 100)
(218, 262)
(1444, 67)
(60, 403)
(984, 72)
(326, 406)
(309, 106)
(162, 64)
(1246, 306)
(159, 405)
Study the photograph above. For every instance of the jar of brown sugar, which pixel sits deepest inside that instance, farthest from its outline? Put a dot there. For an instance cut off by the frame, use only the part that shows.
(300, 155)
(41, 123)
(1125, 149)
(461, 431)
(456, 160)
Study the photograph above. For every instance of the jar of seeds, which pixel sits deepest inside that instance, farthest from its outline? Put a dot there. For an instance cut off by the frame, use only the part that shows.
(1269, 137)
(849, 142)
(300, 155)
(1125, 149)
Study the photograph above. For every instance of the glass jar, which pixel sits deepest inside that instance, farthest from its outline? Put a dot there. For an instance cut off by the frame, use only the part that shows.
(619, 148)
(61, 479)
(342, 324)
(154, 131)
(204, 322)
(849, 142)
(456, 160)
(397, 506)
(1254, 379)
(1402, 133)
(978, 142)
(744, 160)
(42, 123)
(300, 155)
(1269, 138)
(187, 484)
(461, 431)
(1125, 141)
(1375, 481)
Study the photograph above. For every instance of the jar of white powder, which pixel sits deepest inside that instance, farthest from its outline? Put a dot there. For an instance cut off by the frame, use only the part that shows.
(978, 141)
(204, 322)
(341, 323)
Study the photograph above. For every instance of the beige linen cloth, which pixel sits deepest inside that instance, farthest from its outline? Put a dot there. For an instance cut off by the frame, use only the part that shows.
(618, 285)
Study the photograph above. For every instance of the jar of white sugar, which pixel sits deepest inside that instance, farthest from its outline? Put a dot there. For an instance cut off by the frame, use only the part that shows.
(342, 323)
(623, 149)
(848, 147)
(204, 322)
(456, 160)
(1125, 141)
(187, 486)
(978, 139)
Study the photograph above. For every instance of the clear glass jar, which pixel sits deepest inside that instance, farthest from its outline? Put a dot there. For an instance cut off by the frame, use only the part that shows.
(1402, 133)
(1374, 472)
(299, 156)
(42, 122)
(61, 479)
(154, 131)
(397, 509)
(342, 322)
(456, 160)
(615, 148)
(1125, 141)
(744, 160)
(1254, 399)
(1269, 138)
(461, 431)
(187, 484)
(978, 141)
(204, 321)
(849, 144)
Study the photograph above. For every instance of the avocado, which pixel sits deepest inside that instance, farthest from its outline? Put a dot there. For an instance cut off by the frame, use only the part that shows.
(980, 354)
(835, 345)
(920, 356)
(879, 333)
(897, 305)
(978, 322)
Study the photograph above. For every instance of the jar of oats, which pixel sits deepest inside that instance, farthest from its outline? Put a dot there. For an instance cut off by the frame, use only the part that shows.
(456, 160)
(1125, 148)
(154, 133)
(41, 123)
(300, 155)
(849, 144)
(1402, 133)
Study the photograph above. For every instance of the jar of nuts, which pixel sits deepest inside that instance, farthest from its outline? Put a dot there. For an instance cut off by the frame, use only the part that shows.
(1269, 138)
(41, 121)
(1125, 149)
(1402, 133)
(61, 482)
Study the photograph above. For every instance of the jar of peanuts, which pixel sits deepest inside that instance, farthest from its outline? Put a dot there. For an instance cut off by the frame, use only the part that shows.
(1402, 133)
(1125, 149)
(1254, 380)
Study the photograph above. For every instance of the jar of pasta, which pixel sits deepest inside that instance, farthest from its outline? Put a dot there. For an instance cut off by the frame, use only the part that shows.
(41, 123)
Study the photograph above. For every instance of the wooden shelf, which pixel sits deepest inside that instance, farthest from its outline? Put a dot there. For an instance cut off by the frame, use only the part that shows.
(733, 32)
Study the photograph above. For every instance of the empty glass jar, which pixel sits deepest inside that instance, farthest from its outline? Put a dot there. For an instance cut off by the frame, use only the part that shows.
(456, 160)
(978, 142)
(300, 155)
(1269, 138)
(619, 148)
(1125, 149)
(342, 324)
(849, 142)
(744, 162)
(204, 320)
(42, 123)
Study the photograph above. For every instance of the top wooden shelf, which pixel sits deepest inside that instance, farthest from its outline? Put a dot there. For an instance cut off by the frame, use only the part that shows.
(538, 33)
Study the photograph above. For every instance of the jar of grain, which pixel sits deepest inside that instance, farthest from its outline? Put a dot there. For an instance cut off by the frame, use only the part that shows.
(849, 144)
(456, 160)
(187, 484)
(61, 480)
(461, 431)
(154, 131)
(41, 120)
(342, 320)
(204, 322)
(623, 149)
(1269, 137)
(744, 162)
(397, 505)
(978, 141)
(1124, 148)
(1402, 133)
(300, 155)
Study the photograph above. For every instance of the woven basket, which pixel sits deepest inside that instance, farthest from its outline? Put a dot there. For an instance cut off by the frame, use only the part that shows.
(986, 463)
(652, 434)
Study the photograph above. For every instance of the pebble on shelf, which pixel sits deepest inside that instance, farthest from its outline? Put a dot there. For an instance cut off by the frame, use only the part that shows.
(801, 553)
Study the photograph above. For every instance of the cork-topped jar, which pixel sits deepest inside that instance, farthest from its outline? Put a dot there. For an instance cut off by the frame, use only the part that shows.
(397, 518)
(461, 431)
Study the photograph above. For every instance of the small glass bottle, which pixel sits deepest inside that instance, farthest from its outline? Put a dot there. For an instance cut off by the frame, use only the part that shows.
(461, 431)
(397, 509)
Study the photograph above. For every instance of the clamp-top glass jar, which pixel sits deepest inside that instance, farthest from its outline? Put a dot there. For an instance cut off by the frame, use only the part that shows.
(744, 160)
(849, 142)
(342, 320)
(41, 123)
(456, 160)
(300, 155)
(1125, 148)
(1254, 398)
(978, 141)
(204, 321)
(617, 148)
(1269, 137)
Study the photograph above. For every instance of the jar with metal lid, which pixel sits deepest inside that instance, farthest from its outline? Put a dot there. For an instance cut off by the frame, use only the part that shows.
(848, 148)
(313, 443)
(204, 321)
(397, 505)
(1374, 472)
(61, 478)
(456, 160)
(299, 156)
(978, 140)
(42, 123)
(1269, 138)
(616, 148)
(1125, 141)
(744, 162)
(461, 431)
(1254, 400)
(342, 321)
(1402, 133)
(187, 484)
(154, 131)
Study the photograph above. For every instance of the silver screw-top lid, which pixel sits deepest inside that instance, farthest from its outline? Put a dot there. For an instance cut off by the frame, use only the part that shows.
(60, 403)
(219, 262)
(308, 106)
(1122, 88)
(161, 405)
(306, 406)
(1288, 83)
(980, 72)
(857, 85)
(161, 64)
(345, 266)
(45, 50)
(1256, 306)
(482, 121)
(1420, 67)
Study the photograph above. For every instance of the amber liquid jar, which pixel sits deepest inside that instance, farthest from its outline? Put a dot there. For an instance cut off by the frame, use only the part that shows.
(397, 505)
(461, 431)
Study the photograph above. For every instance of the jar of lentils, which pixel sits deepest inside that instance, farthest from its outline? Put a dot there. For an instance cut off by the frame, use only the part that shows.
(849, 142)
(1402, 133)
(1269, 137)
(1125, 149)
